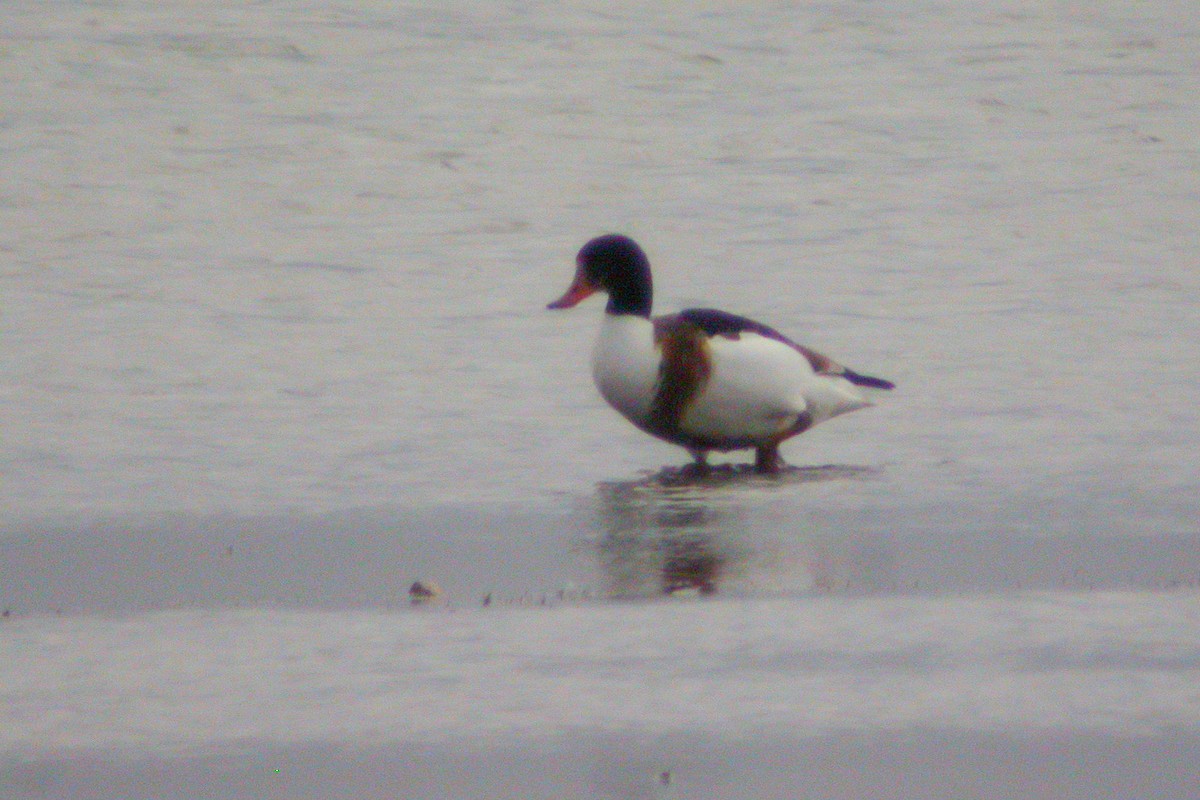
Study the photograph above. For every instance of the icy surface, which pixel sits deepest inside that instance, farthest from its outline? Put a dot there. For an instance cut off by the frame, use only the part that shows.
(1105, 663)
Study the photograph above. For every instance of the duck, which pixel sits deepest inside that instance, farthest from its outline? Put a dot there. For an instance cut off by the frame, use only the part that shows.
(704, 379)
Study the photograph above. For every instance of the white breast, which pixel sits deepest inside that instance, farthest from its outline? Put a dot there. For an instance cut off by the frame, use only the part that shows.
(625, 364)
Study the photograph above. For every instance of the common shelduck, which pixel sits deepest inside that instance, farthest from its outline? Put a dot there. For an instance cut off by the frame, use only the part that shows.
(703, 379)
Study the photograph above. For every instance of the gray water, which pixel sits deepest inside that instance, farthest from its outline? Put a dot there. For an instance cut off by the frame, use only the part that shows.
(274, 347)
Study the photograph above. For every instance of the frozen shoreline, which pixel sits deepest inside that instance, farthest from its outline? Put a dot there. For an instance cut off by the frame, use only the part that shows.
(918, 764)
(615, 544)
(1125, 663)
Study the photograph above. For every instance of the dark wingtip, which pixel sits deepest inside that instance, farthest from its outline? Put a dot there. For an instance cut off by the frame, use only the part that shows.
(867, 380)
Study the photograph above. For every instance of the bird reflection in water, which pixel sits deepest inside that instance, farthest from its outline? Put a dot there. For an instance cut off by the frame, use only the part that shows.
(678, 533)
(660, 539)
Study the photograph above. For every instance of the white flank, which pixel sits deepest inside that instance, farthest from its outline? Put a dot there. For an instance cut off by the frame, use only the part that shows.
(758, 388)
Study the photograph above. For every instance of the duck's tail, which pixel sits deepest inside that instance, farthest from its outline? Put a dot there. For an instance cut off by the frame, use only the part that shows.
(866, 380)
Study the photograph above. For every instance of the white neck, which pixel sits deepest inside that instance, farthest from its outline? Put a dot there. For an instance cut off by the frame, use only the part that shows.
(625, 364)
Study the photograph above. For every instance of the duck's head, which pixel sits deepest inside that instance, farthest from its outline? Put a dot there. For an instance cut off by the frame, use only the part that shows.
(615, 264)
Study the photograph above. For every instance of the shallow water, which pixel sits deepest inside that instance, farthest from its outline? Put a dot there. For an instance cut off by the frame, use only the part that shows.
(275, 347)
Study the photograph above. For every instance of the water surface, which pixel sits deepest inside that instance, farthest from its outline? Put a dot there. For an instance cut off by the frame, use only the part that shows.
(275, 347)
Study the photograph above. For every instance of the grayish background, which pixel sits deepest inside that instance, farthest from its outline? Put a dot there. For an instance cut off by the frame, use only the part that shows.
(273, 346)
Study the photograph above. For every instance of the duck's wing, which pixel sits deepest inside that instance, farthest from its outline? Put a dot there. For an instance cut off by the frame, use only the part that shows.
(721, 323)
